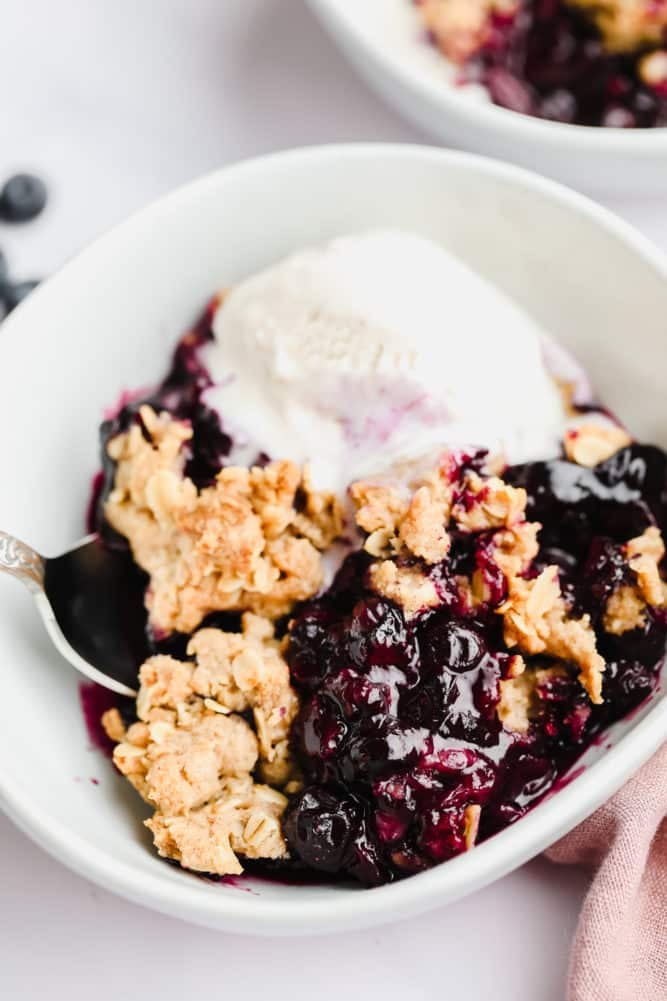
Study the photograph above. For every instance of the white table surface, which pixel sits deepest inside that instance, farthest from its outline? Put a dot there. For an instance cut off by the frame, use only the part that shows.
(115, 102)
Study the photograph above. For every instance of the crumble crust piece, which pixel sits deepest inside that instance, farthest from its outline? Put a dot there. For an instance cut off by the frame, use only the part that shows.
(461, 27)
(627, 607)
(514, 549)
(536, 620)
(626, 25)
(409, 587)
(251, 541)
(193, 757)
(519, 699)
(652, 68)
(644, 554)
(625, 610)
(590, 444)
(471, 815)
(487, 504)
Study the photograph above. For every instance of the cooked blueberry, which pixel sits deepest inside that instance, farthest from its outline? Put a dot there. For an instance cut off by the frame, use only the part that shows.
(377, 635)
(319, 825)
(402, 719)
(313, 647)
(22, 198)
(452, 645)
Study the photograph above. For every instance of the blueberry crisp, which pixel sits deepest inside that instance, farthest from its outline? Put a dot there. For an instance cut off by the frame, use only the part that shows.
(365, 681)
(585, 62)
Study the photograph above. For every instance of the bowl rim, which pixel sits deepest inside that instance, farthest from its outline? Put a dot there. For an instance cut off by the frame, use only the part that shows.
(337, 16)
(311, 914)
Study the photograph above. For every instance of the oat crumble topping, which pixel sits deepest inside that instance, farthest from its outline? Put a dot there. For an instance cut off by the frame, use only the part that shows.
(250, 542)
(472, 814)
(519, 699)
(536, 620)
(193, 757)
(461, 27)
(644, 555)
(626, 25)
(625, 610)
(487, 504)
(590, 444)
(409, 587)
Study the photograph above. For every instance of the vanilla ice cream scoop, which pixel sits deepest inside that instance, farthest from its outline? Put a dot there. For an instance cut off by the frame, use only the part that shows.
(373, 348)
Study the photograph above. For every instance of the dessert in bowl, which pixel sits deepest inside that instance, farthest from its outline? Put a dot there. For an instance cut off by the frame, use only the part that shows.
(572, 61)
(573, 88)
(496, 596)
(356, 683)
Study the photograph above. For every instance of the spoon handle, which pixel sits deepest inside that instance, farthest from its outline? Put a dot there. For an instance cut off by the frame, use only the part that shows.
(22, 562)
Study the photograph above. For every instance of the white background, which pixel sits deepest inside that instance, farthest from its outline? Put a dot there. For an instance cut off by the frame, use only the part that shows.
(115, 102)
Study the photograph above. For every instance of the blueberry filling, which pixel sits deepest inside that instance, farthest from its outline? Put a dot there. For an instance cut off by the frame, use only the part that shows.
(549, 61)
(399, 736)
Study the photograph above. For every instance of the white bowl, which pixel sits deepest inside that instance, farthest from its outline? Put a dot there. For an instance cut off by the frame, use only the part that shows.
(385, 41)
(107, 321)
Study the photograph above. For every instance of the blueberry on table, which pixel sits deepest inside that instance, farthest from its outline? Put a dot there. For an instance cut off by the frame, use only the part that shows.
(12, 294)
(22, 198)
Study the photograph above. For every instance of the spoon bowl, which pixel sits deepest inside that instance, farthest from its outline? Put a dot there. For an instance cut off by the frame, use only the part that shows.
(91, 601)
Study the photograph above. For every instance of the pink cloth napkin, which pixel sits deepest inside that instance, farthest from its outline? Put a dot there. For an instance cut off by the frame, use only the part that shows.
(620, 946)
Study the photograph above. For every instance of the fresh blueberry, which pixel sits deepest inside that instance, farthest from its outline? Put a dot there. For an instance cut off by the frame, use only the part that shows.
(22, 198)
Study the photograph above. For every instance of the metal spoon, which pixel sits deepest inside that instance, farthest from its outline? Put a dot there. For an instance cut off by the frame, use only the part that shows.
(91, 602)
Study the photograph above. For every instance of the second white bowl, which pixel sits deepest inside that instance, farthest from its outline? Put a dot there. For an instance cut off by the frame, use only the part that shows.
(384, 40)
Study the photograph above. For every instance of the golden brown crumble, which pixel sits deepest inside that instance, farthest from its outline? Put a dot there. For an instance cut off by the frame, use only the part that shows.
(514, 549)
(471, 814)
(250, 542)
(460, 27)
(192, 756)
(625, 610)
(644, 554)
(652, 68)
(589, 444)
(422, 529)
(413, 527)
(515, 707)
(378, 507)
(519, 699)
(536, 620)
(416, 526)
(244, 820)
(626, 25)
(409, 587)
(489, 503)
